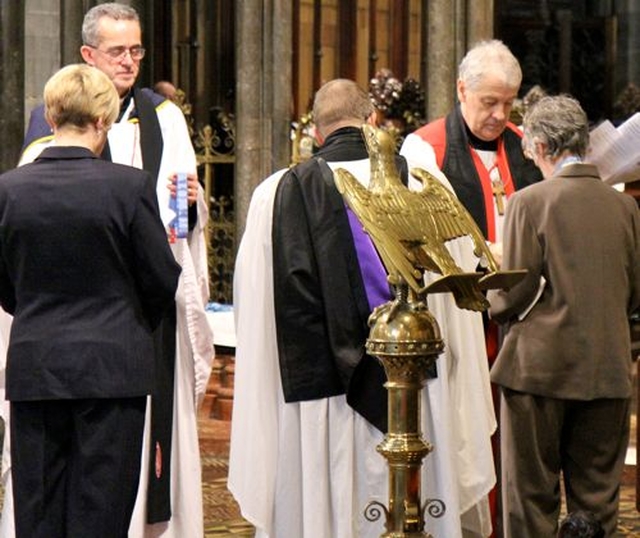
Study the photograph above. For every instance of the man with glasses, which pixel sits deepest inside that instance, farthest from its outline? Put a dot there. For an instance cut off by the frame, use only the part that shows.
(151, 133)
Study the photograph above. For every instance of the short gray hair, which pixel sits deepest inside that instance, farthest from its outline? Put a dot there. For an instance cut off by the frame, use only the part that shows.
(113, 10)
(340, 100)
(490, 57)
(560, 123)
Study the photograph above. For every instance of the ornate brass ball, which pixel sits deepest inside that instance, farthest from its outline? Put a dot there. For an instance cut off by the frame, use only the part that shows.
(401, 329)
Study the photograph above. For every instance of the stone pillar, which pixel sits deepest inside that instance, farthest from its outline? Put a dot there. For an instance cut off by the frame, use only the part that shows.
(263, 90)
(71, 17)
(282, 81)
(441, 57)
(479, 21)
(453, 27)
(628, 57)
(42, 49)
(11, 82)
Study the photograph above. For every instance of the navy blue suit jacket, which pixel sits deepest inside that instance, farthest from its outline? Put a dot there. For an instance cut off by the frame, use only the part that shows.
(86, 271)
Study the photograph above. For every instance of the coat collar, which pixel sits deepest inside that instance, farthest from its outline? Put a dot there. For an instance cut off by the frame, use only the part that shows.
(344, 144)
(66, 152)
(578, 170)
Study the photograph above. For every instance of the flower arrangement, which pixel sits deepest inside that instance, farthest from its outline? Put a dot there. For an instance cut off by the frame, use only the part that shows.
(401, 104)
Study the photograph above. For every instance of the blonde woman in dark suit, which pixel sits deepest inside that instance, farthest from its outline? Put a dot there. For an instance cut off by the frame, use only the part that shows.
(87, 273)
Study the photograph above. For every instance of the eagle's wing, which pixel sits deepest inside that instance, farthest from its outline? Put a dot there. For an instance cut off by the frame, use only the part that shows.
(454, 221)
(451, 218)
(381, 217)
(399, 228)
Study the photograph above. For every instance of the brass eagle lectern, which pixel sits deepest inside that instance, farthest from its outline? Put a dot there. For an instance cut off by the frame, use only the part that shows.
(410, 230)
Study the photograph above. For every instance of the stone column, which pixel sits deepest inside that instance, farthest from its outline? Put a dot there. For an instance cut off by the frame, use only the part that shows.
(441, 57)
(479, 21)
(453, 27)
(628, 58)
(71, 17)
(42, 48)
(282, 81)
(263, 101)
(11, 82)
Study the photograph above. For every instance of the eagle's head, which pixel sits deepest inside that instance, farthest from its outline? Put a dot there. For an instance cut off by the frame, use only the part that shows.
(382, 150)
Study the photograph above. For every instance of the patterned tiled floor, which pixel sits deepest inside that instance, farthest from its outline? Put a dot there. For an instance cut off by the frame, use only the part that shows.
(221, 513)
(222, 516)
(629, 521)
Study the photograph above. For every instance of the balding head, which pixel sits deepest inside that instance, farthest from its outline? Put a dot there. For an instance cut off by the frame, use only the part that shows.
(340, 103)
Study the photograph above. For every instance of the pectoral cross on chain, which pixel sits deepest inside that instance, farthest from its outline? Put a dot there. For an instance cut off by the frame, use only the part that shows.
(497, 188)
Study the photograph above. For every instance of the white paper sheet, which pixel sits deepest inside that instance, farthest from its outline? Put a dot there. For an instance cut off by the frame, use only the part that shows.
(616, 151)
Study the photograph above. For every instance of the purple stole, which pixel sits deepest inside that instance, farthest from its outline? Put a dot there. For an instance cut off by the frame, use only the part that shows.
(374, 275)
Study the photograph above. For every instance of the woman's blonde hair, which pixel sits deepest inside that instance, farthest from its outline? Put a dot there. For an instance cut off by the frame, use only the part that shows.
(79, 95)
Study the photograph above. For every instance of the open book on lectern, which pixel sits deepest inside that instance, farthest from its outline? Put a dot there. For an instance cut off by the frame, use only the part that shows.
(616, 150)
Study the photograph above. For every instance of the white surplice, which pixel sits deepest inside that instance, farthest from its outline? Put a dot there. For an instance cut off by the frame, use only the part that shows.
(194, 340)
(308, 469)
(7, 523)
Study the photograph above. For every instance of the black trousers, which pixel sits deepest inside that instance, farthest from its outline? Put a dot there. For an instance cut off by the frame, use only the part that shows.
(76, 466)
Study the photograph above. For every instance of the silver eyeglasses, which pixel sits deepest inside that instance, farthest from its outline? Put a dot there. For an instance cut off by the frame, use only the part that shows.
(118, 53)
